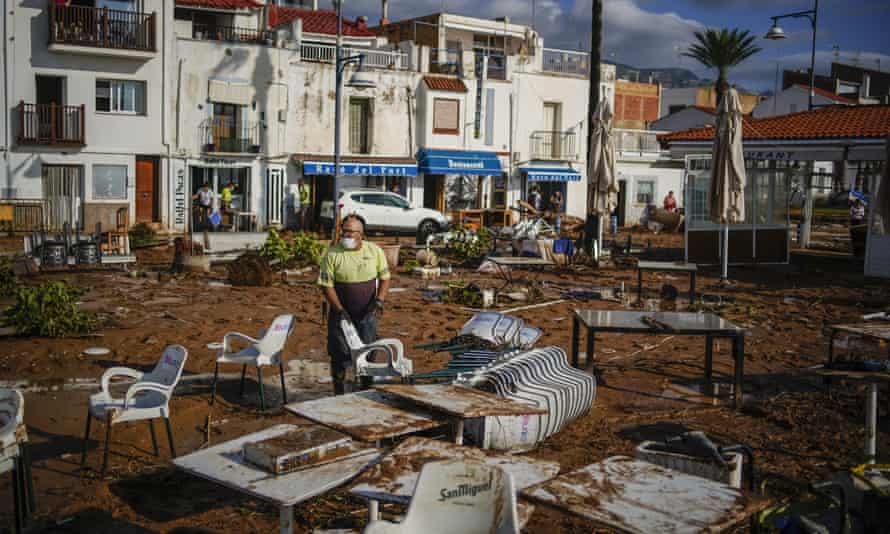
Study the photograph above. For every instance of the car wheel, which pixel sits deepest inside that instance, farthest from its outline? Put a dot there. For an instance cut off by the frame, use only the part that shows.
(425, 229)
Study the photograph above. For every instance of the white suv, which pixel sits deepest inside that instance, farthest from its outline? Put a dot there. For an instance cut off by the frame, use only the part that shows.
(384, 211)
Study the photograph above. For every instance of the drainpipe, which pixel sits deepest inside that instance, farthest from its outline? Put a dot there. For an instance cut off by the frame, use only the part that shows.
(6, 130)
(165, 141)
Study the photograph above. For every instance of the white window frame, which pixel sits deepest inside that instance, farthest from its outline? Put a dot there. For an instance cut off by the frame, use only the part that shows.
(126, 185)
(115, 92)
(640, 181)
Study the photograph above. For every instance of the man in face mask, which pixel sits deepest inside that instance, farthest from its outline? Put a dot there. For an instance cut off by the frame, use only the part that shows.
(354, 277)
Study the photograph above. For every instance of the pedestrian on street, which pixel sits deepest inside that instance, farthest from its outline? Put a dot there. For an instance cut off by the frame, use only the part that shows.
(670, 202)
(354, 278)
(305, 204)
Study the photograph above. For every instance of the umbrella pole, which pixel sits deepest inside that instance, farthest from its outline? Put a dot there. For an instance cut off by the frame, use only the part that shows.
(598, 245)
(725, 255)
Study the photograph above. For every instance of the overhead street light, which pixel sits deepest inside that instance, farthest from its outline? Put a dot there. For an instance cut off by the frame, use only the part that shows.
(776, 33)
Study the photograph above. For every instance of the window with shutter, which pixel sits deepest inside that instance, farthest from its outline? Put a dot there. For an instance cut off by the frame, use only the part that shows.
(359, 109)
(446, 116)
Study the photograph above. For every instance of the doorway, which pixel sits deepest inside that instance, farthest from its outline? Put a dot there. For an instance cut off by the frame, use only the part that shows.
(63, 196)
(622, 202)
(553, 124)
(434, 192)
(146, 189)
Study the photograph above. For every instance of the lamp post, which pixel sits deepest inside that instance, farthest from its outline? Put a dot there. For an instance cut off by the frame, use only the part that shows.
(776, 33)
(358, 81)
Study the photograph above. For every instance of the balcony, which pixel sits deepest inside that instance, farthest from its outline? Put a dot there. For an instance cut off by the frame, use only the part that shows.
(223, 134)
(374, 59)
(566, 62)
(637, 143)
(496, 68)
(235, 34)
(101, 31)
(446, 61)
(551, 145)
(51, 125)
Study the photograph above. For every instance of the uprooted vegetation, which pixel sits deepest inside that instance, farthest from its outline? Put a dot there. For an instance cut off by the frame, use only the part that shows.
(301, 250)
(49, 310)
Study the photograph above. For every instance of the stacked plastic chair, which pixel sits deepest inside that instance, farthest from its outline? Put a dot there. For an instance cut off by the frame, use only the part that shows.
(541, 377)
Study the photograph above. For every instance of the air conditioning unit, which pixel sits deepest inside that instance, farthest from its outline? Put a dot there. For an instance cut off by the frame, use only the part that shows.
(282, 115)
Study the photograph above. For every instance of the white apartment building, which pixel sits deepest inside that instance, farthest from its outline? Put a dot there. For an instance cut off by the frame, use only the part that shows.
(84, 126)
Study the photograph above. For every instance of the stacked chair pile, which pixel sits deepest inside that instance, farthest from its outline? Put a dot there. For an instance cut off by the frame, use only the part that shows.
(541, 377)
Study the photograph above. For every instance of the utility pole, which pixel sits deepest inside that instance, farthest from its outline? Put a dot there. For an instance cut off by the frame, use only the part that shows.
(592, 224)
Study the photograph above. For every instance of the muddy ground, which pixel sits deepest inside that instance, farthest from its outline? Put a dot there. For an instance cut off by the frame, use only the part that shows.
(796, 430)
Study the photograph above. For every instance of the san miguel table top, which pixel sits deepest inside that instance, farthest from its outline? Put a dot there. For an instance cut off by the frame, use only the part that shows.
(459, 401)
(225, 465)
(678, 322)
(519, 261)
(395, 476)
(667, 266)
(638, 497)
(367, 416)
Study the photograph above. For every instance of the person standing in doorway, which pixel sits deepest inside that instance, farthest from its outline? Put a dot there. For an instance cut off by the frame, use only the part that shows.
(857, 213)
(396, 189)
(305, 204)
(204, 198)
(670, 202)
(556, 202)
(535, 199)
(225, 200)
(354, 278)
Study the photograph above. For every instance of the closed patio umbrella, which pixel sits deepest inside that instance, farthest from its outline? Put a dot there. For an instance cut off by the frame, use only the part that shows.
(603, 196)
(882, 202)
(727, 193)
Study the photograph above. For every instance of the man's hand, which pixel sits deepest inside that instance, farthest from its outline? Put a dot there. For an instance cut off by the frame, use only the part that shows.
(377, 307)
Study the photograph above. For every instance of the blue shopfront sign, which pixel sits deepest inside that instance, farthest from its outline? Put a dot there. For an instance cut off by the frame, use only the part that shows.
(358, 169)
(459, 162)
(559, 174)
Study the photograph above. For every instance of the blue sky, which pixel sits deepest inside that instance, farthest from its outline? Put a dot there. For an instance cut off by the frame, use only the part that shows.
(652, 33)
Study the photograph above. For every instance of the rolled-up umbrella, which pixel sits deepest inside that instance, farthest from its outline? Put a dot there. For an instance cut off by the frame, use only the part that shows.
(727, 193)
(882, 201)
(603, 193)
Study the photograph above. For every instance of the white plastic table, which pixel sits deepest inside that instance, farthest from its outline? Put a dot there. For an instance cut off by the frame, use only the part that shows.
(224, 465)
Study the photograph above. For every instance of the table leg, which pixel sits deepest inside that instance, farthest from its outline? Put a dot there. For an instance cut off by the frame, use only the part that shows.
(373, 510)
(459, 432)
(286, 519)
(575, 334)
(640, 286)
(692, 277)
(738, 346)
(591, 342)
(871, 422)
(709, 365)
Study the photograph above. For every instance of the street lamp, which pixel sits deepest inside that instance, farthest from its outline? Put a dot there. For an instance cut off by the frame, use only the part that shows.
(776, 33)
(359, 80)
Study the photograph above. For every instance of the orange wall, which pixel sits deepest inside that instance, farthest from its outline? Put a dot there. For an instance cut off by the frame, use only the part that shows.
(636, 104)
(707, 97)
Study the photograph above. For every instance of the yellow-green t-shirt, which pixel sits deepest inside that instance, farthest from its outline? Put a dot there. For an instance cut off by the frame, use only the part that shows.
(226, 195)
(354, 274)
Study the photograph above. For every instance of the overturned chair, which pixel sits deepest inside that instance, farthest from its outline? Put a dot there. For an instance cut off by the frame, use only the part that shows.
(458, 496)
(395, 366)
(265, 350)
(14, 454)
(147, 399)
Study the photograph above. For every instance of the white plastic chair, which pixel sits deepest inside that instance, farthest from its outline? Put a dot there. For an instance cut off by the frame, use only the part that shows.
(14, 454)
(458, 496)
(147, 399)
(397, 365)
(265, 350)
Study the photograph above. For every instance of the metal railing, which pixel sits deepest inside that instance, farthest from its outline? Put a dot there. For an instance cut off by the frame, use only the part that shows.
(445, 61)
(215, 32)
(556, 145)
(566, 62)
(377, 59)
(101, 27)
(639, 141)
(51, 124)
(497, 65)
(223, 134)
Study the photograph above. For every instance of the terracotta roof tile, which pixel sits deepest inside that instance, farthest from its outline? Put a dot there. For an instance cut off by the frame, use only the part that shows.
(440, 83)
(828, 94)
(834, 122)
(319, 21)
(220, 4)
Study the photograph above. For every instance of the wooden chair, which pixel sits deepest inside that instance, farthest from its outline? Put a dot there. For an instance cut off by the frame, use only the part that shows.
(116, 242)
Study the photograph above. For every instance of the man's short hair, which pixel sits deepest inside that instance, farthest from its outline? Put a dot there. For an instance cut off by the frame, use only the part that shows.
(354, 217)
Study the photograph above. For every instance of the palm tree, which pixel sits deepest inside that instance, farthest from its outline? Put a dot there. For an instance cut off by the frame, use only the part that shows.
(722, 49)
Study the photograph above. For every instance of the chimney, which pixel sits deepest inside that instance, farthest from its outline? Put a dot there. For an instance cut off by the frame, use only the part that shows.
(361, 22)
(384, 12)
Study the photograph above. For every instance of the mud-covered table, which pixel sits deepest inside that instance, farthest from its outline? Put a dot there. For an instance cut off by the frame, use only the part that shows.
(709, 325)
(876, 330)
(395, 476)
(633, 496)
(369, 416)
(224, 465)
(459, 402)
(506, 266)
(668, 267)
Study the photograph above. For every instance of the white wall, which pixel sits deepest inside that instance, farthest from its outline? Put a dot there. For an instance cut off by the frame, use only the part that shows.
(681, 96)
(667, 176)
(790, 100)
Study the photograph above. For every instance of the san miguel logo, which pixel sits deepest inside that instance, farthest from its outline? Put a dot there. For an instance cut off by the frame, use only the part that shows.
(464, 490)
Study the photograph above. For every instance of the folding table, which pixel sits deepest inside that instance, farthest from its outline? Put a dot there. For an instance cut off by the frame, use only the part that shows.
(667, 266)
(506, 265)
(224, 465)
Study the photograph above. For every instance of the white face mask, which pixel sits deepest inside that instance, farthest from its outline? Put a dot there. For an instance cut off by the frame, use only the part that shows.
(349, 243)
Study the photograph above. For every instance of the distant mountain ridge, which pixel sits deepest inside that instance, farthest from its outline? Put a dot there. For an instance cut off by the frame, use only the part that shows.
(668, 77)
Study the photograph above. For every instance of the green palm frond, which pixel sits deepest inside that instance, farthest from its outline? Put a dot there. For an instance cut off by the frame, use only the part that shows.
(722, 49)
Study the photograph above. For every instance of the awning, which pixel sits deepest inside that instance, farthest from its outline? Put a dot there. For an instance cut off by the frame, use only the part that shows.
(557, 174)
(459, 162)
(359, 169)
